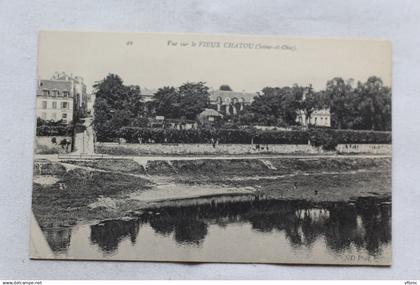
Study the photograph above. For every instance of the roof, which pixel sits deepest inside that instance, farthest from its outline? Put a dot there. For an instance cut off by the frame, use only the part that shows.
(67, 77)
(247, 96)
(210, 113)
(60, 85)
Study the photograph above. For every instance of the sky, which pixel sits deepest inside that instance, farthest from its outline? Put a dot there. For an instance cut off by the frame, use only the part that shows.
(246, 63)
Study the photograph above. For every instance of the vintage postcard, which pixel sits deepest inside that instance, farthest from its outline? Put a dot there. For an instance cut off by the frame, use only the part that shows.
(210, 148)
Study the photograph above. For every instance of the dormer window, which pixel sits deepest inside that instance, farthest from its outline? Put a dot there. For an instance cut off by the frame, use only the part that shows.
(66, 93)
(55, 93)
(46, 92)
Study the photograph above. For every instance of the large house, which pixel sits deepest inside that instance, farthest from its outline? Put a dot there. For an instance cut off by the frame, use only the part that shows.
(320, 118)
(61, 98)
(230, 102)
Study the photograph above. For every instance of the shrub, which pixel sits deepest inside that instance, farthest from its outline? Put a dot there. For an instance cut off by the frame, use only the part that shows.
(49, 128)
(355, 136)
(327, 138)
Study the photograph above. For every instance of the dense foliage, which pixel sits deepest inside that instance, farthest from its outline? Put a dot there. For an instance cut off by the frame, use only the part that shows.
(327, 138)
(225, 87)
(366, 106)
(186, 101)
(50, 128)
(274, 107)
(116, 106)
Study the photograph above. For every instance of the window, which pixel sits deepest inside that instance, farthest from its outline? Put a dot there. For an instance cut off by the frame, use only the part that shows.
(44, 105)
(43, 115)
(64, 105)
(55, 93)
(45, 92)
(54, 116)
(64, 116)
(54, 105)
(64, 121)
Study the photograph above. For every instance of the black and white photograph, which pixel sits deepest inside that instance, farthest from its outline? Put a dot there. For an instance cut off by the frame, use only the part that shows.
(212, 148)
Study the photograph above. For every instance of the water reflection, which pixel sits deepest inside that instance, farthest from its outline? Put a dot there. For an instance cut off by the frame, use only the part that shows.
(58, 239)
(364, 224)
(108, 234)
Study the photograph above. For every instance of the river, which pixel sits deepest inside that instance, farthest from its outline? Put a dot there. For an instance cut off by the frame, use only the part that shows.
(238, 229)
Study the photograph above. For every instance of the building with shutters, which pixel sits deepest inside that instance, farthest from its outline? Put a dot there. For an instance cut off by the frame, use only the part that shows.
(61, 98)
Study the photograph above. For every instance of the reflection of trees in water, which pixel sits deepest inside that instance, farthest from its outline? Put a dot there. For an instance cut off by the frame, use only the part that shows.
(108, 234)
(377, 224)
(190, 231)
(186, 224)
(341, 228)
(363, 224)
(58, 239)
(312, 224)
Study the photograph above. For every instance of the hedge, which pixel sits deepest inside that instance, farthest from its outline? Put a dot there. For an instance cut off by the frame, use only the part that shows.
(353, 136)
(60, 130)
(328, 138)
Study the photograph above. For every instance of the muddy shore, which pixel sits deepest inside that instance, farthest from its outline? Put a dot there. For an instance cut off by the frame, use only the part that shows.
(67, 192)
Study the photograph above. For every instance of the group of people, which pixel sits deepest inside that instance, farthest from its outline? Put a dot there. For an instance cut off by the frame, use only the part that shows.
(259, 147)
(64, 143)
(214, 142)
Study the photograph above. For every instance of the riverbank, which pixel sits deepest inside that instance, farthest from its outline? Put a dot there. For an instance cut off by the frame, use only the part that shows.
(78, 190)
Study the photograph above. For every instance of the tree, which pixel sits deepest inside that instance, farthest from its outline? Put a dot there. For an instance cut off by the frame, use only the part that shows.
(366, 107)
(275, 107)
(225, 87)
(373, 105)
(194, 98)
(167, 102)
(338, 93)
(116, 105)
(310, 102)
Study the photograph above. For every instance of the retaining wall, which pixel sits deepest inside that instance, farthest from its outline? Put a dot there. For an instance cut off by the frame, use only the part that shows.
(365, 148)
(223, 149)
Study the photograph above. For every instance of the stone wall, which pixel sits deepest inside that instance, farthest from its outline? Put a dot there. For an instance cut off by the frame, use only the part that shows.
(365, 148)
(232, 149)
(151, 149)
